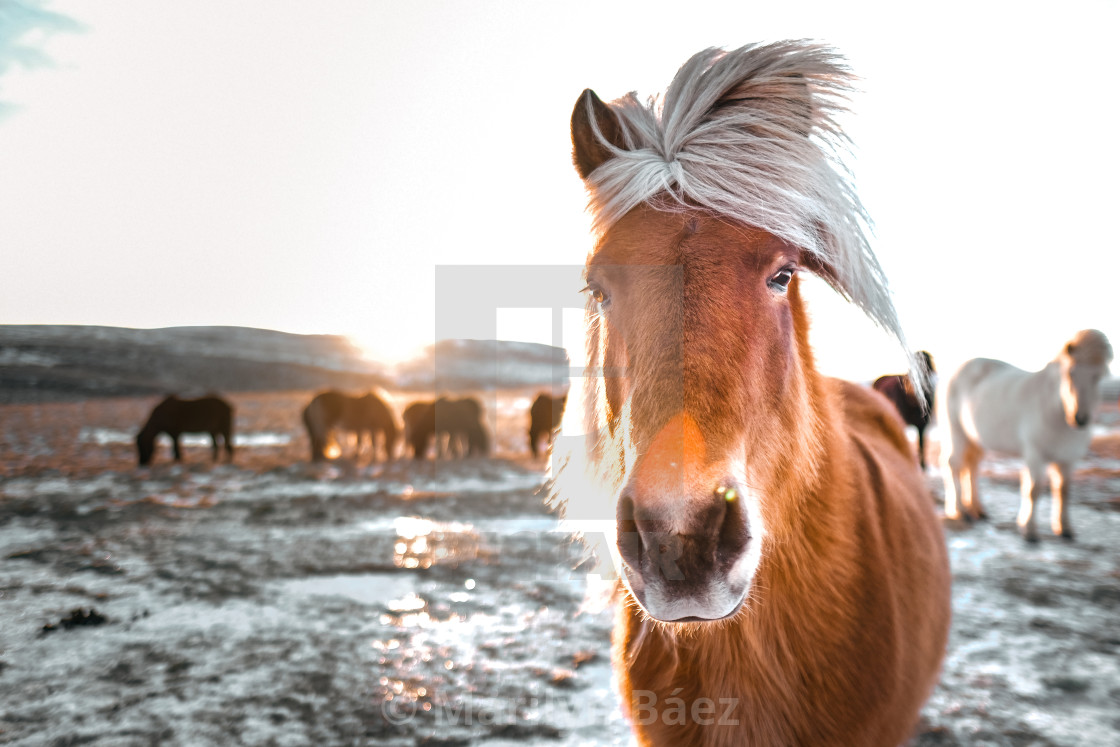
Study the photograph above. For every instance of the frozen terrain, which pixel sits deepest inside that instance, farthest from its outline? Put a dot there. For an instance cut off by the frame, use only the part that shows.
(269, 602)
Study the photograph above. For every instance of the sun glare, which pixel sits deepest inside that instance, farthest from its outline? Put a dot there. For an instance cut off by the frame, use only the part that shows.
(379, 346)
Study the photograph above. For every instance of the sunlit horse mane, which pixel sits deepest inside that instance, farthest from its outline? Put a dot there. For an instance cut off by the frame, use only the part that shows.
(751, 160)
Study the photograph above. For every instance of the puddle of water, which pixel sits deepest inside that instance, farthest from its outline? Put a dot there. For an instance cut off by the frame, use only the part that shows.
(409, 526)
(422, 543)
(107, 436)
(367, 588)
(261, 439)
(509, 480)
(240, 440)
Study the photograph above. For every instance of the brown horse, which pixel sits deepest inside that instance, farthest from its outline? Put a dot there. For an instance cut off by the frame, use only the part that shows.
(784, 577)
(361, 415)
(544, 419)
(419, 427)
(176, 416)
(900, 390)
(460, 421)
(455, 424)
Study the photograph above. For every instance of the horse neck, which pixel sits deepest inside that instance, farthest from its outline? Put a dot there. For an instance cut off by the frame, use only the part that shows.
(151, 428)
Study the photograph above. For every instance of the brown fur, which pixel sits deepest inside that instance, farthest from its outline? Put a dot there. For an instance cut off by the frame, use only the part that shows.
(462, 422)
(175, 416)
(368, 414)
(777, 543)
(456, 426)
(914, 410)
(841, 638)
(419, 427)
(544, 418)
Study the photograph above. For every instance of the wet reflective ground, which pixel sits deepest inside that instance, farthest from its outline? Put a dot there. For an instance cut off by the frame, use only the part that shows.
(280, 608)
(272, 603)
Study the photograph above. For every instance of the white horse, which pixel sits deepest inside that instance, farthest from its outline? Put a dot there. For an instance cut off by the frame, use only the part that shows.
(1042, 417)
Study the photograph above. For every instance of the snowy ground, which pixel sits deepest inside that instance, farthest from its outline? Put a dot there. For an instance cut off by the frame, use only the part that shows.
(272, 603)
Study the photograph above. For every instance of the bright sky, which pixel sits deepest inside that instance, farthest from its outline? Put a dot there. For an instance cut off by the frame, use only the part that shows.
(307, 166)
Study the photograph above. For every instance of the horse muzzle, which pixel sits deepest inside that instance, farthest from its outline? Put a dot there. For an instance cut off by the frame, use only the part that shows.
(691, 562)
(1077, 420)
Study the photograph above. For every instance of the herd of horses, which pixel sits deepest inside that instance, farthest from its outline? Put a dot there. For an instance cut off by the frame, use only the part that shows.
(782, 573)
(442, 428)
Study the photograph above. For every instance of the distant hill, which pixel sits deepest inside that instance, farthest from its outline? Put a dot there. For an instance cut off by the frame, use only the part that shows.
(49, 362)
(59, 362)
(452, 365)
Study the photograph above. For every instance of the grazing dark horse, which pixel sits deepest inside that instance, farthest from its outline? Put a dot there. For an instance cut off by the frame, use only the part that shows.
(419, 427)
(368, 414)
(899, 389)
(455, 424)
(784, 578)
(544, 418)
(460, 420)
(176, 416)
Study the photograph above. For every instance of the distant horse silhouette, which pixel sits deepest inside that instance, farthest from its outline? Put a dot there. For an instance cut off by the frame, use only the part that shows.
(774, 538)
(460, 421)
(175, 416)
(455, 424)
(544, 418)
(899, 389)
(1042, 417)
(368, 414)
(419, 427)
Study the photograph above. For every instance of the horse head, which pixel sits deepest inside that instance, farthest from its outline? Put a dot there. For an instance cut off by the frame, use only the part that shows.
(697, 325)
(1084, 364)
(695, 318)
(145, 446)
(157, 421)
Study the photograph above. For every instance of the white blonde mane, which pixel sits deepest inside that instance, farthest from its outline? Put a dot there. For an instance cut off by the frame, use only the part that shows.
(752, 135)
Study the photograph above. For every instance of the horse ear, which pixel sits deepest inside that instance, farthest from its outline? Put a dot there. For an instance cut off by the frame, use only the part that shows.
(595, 128)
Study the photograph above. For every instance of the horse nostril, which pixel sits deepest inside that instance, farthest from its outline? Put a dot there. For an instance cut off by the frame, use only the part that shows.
(734, 532)
(727, 493)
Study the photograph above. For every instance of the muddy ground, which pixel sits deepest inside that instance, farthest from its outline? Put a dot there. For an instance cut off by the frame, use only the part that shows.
(270, 602)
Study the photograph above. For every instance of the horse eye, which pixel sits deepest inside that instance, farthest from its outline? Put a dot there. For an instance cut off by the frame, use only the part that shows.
(781, 281)
(598, 295)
